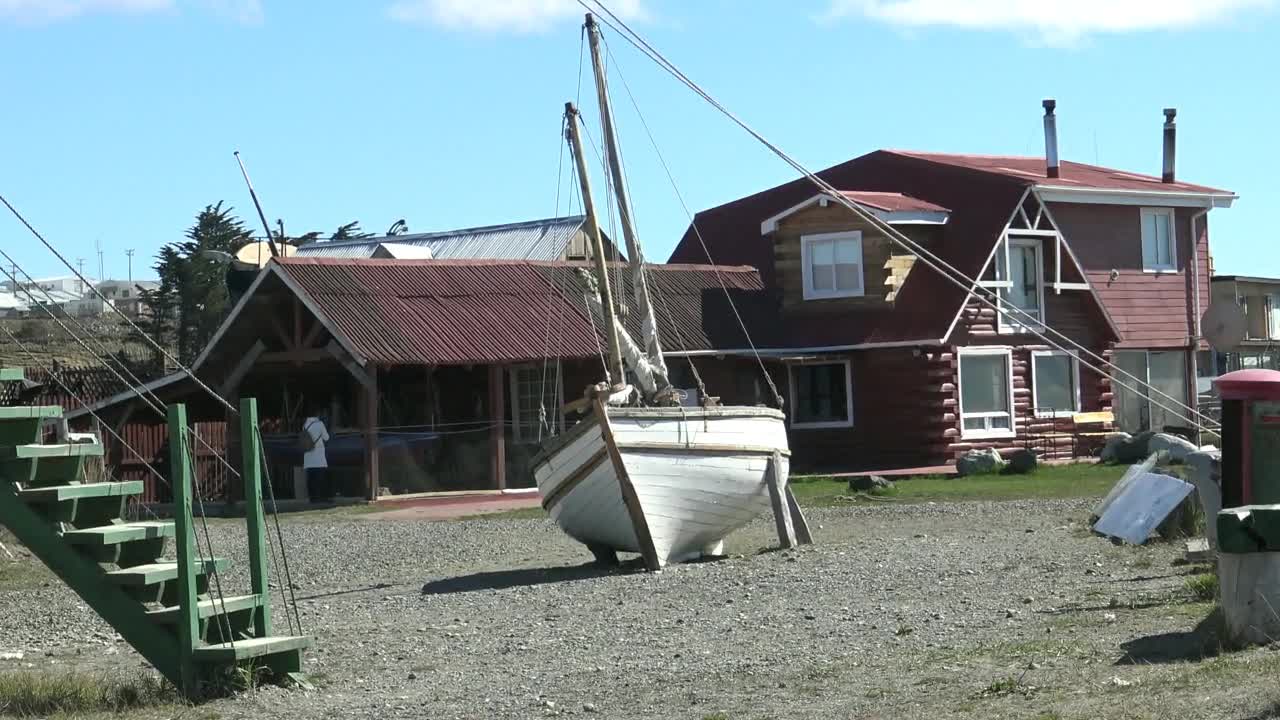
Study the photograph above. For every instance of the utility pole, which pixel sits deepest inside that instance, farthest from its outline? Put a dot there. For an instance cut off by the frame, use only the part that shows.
(101, 270)
(617, 375)
(129, 254)
(80, 274)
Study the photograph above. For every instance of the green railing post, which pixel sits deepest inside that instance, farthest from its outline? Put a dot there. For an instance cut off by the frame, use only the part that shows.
(251, 469)
(185, 540)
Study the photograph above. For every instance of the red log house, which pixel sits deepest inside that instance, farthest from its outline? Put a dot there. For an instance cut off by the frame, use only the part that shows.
(889, 364)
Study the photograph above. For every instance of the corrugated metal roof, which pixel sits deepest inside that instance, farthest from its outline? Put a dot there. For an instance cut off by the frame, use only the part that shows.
(431, 312)
(532, 240)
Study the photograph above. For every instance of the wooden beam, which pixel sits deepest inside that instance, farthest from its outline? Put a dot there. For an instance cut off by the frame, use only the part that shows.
(629, 497)
(353, 367)
(283, 336)
(803, 534)
(312, 334)
(369, 422)
(295, 357)
(777, 498)
(232, 383)
(497, 428)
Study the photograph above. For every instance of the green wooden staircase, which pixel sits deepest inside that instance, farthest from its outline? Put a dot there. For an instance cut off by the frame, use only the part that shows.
(164, 608)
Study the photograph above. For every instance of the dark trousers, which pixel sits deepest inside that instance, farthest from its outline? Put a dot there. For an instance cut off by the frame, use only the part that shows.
(319, 487)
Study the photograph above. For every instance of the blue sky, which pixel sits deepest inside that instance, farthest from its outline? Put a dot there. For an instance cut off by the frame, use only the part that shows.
(120, 116)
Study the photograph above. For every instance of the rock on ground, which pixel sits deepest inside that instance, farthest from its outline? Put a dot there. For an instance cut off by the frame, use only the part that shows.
(867, 483)
(1022, 461)
(980, 462)
(1174, 448)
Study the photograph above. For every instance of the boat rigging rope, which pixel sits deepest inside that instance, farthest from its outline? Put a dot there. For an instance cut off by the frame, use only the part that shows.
(777, 396)
(948, 272)
(104, 425)
(292, 600)
(154, 343)
(107, 303)
(103, 355)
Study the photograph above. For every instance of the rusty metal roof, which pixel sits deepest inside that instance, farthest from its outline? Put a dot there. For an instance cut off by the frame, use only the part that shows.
(532, 240)
(432, 312)
(429, 312)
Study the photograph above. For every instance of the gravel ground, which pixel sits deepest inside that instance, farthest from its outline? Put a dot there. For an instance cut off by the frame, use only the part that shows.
(971, 610)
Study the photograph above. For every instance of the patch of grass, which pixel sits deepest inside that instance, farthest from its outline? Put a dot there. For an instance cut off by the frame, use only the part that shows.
(1202, 587)
(716, 716)
(1048, 481)
(533, 513)
(1005, 686)
(45, 693)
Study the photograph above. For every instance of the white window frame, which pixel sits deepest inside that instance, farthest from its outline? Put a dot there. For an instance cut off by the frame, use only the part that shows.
(1035, 380)
(987, 431)
(848, 395)
(807, 241)
(1173, 239)
(1005, 323)
(517, 434)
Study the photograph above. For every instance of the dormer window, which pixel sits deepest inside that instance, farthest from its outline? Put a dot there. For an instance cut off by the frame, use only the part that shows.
(1158, 240)
(832, 265)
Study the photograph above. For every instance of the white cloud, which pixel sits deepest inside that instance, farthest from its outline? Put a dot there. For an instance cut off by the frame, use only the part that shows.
(1057, 22)
(43, 11)
(521, 16)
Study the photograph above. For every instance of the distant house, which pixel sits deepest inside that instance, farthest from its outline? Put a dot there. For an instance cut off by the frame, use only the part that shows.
(888, 363)
(1259, 300)
(125, 295)
(550, 239)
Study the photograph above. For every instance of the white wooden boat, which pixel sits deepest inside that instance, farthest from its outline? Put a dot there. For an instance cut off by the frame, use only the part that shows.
(668, 483)
(641, 473)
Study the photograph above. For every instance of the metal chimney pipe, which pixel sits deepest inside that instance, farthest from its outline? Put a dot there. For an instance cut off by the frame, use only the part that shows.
(1050, 138)
(1170, 144)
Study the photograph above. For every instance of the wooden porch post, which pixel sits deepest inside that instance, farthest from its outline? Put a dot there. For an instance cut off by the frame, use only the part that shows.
(497, 428)
(369, 416)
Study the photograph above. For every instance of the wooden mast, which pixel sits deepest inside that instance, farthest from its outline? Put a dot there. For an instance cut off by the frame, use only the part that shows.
(634, 255)
(617, 376)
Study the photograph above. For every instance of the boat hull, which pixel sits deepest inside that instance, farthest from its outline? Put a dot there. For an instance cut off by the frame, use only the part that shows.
(668, 483)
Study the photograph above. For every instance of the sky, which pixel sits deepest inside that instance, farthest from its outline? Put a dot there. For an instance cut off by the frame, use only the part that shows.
(120, 117)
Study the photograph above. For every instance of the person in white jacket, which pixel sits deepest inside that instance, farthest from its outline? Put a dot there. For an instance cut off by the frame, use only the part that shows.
(315, 464)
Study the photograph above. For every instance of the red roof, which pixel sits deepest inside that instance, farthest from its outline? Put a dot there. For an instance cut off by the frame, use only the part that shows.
(1070, 174)
(891, 201)
(980, 206)
(459, 312)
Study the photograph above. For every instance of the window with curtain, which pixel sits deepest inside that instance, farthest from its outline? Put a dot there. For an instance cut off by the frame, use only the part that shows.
(986, 404)
(821, 395)
(1157, 239)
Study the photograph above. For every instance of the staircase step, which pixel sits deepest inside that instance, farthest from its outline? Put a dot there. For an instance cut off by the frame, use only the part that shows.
(31, 412)
(251, 648)
(161, 572)
(32, 452)
(119, 533)
(12, 375)
(59, 493)
(209, 608)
